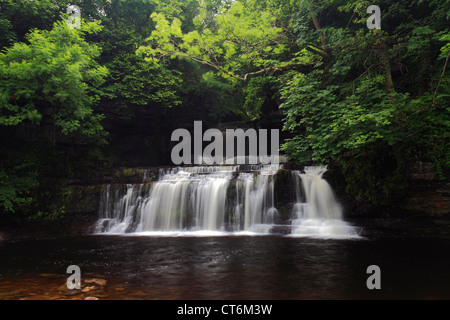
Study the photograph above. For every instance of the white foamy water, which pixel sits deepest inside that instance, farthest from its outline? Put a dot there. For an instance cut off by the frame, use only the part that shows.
(317, 213)
(221, 201)
(196, 199)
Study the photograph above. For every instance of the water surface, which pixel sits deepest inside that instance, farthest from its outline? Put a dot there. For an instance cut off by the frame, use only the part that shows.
(227, 267)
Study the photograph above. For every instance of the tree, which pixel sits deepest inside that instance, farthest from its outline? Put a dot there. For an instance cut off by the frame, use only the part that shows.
(235, 41)
(238, 39)
(52, 80)
(364, 110)
(18, 17)
(48, 88)
(133, 82)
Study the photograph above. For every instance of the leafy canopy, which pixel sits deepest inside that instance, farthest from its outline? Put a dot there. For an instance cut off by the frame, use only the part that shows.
(236, 39)
(54, 76)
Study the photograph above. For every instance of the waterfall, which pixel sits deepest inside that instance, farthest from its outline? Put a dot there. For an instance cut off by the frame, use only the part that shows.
(259, 204)
(218, 199)
(186, 200)
(203, 198)
(316, 212)
(119, 207)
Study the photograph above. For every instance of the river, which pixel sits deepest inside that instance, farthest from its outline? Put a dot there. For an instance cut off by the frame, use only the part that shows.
(228, 266)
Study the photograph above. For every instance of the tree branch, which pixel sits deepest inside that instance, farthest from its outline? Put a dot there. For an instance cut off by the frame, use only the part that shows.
(440, 80)
(305, 68)
(317, 26)
(320, 53)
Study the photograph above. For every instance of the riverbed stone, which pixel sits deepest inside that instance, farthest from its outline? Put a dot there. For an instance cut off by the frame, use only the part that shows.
(96, 281)
(89, 289)
(68, 292)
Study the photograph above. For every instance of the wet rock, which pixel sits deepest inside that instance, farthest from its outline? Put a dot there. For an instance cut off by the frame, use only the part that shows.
(281, 229)
(68, 292)
(4, 236)
(96, 281)
(88, 289)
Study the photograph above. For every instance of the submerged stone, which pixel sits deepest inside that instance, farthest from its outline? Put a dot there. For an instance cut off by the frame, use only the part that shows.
(88, 289)
(96, 281)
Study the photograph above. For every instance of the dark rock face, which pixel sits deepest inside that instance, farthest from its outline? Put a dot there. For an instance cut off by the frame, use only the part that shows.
(284, 193)
(430, 199)
(80, 205)
(420, 171)
(425, 195)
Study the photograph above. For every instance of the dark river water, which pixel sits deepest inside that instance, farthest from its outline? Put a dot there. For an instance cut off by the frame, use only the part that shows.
(227, 267)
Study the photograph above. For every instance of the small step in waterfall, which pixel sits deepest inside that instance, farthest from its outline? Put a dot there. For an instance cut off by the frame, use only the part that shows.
(208, 200)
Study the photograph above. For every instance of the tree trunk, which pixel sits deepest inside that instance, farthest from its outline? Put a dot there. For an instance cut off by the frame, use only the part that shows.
(317, 26)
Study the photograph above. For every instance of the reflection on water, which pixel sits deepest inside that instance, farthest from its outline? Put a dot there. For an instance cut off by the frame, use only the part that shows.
(226, 267)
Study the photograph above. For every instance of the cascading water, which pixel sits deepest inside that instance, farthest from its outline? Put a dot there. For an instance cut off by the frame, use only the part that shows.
(193, 199)
(259, 201)
(119, 207)
(184, 200)
(316, 211)
(211, 199)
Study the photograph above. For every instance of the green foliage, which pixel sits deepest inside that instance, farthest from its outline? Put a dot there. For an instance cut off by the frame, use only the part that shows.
(258, 95)
(221, 98)
(48, 88)
(336, 125)
(137, 82)
(16, 186)
(242, 35)
(7, 36)
(54, 77)
(235, 40)
(133, 82)
(352, 113)
(19, 17)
